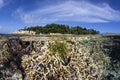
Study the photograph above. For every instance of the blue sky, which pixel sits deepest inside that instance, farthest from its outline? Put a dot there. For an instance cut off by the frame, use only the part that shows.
(101, 15)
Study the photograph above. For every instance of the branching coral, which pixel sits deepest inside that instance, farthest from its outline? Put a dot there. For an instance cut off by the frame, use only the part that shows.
(11, 51)
(4, 54)
(55, 59)
(81, 65)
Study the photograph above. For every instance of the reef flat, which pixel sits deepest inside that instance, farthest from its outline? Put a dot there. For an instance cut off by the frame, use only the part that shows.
(59, 57)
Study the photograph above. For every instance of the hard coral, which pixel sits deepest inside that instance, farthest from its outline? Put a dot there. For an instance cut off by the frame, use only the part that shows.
(4, 54)
(81, 64)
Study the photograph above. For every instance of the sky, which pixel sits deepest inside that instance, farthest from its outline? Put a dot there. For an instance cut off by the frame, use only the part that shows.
(101, 15)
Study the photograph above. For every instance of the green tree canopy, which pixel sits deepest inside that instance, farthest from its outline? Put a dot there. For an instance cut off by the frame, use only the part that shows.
(60, 28)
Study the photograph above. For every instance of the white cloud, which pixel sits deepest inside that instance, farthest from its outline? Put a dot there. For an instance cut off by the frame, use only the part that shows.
(78, 11)
(4, 3)
(1, 3)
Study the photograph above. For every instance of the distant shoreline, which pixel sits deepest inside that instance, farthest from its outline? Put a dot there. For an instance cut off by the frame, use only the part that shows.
(62, 35)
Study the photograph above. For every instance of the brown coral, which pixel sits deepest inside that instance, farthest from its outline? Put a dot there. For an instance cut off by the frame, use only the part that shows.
(81, 65)
(4, 54)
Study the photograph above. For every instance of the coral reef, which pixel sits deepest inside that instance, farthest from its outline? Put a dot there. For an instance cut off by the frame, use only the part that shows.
(78, 63)
(60, 58)
(112, 48)
(4, 54)
(10, 58)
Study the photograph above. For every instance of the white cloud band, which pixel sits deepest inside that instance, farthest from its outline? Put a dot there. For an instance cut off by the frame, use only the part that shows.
(78, 11)
(1, 3)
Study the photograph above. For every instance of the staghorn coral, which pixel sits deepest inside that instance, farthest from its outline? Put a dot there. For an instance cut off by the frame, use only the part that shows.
(4, 54)
(79, 59)
(40, 47)
(81, 65)
(11, 51)
(112, 48)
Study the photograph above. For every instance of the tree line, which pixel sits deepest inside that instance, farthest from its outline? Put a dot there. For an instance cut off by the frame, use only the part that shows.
(60, 28)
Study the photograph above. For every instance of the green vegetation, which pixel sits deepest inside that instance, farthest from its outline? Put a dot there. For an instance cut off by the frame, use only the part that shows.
(58, 48)
(59, 28)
